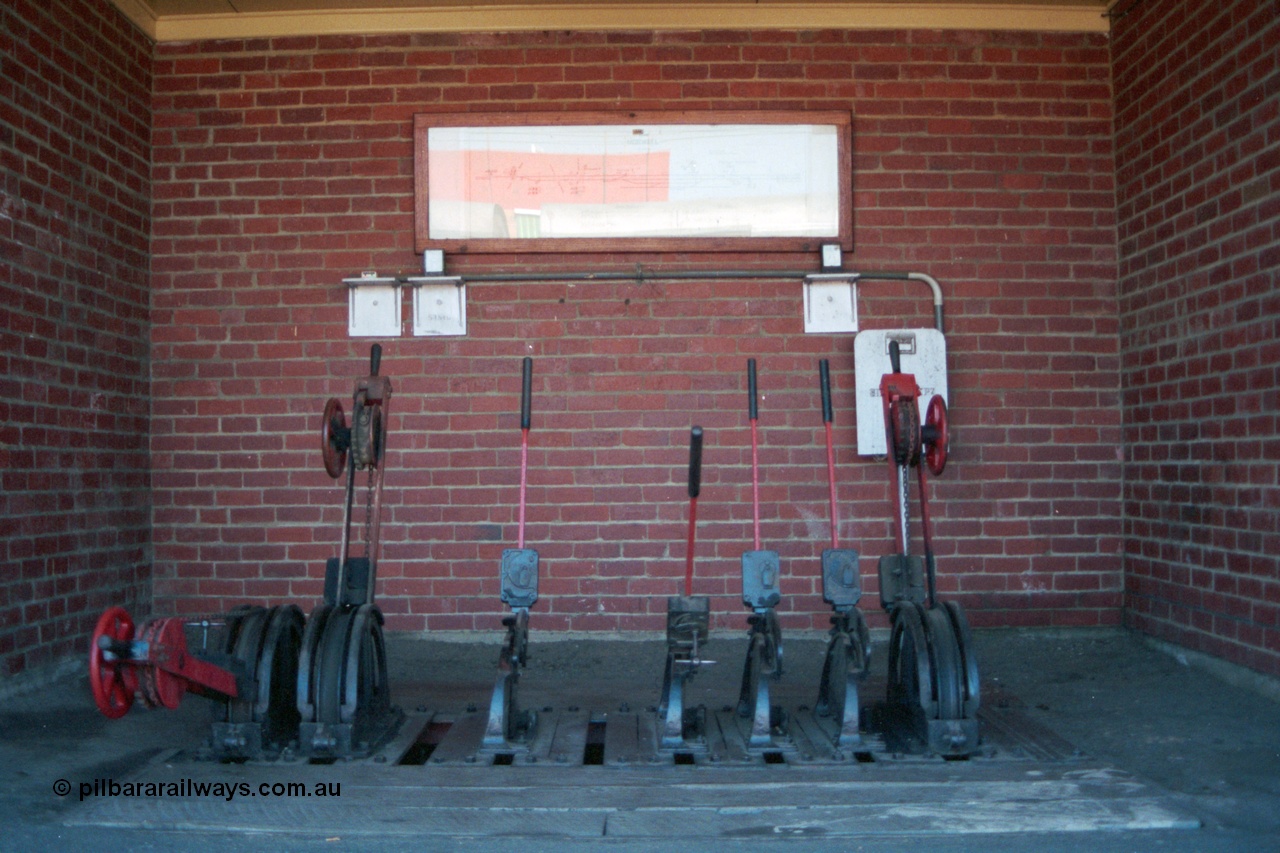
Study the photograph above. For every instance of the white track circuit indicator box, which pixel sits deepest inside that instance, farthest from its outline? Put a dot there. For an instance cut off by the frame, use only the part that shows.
(924, 353)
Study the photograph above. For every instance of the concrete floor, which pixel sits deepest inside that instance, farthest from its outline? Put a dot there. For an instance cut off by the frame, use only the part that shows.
(1200, 739)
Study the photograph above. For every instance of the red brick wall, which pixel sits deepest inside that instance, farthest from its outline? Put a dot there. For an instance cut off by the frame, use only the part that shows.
(74, 222)
(284, 165)
(1198, 147)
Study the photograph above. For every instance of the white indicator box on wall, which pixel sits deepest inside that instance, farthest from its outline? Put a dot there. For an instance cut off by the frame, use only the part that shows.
(439, 306)
(830, 303)
(373, 306)
(922, 352)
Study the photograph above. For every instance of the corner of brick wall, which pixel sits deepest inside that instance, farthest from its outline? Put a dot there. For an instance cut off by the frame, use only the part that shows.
(74, 398)
(1198, 143)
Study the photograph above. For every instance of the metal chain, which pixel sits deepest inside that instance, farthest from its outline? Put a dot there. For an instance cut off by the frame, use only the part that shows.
(903, 498)
(368, 515)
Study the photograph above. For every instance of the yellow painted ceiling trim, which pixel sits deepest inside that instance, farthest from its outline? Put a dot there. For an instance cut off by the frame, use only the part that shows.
(603, 15)
(140, 13)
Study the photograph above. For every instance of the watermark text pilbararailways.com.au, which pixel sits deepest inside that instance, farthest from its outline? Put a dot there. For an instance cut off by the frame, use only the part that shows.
(228, 791)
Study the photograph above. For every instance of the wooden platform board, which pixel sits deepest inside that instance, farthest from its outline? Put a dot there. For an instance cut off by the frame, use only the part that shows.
(588, 773)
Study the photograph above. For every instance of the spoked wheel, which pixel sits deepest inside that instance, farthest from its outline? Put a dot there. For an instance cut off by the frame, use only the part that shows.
(112, 681)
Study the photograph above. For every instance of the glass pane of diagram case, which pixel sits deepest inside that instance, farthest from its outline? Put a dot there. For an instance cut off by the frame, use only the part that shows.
(582, 182)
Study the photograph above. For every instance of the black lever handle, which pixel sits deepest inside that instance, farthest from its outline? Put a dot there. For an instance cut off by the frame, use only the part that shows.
(375, 359)
(895, 356)
(526, 392)
(753, 409)
(695, 461)
(824, 376)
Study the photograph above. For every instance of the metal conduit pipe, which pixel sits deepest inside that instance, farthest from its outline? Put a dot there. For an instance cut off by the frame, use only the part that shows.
(641, 275)
(915, 276)
(638, 275)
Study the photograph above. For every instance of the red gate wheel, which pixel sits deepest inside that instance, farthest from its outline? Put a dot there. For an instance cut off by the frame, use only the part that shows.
(113, 681)
(334, 438)
(161, 688)
(935, 431)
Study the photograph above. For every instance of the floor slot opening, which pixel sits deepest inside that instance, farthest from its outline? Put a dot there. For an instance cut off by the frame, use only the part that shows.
(425, 744)
(593, 752)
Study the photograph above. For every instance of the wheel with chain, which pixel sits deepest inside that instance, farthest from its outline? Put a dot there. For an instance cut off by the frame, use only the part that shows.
(366, 436)
(904, 424)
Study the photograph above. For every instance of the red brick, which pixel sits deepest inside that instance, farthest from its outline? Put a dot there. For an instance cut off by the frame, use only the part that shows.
(1173, 199)
(623, 381)
(91, 385)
